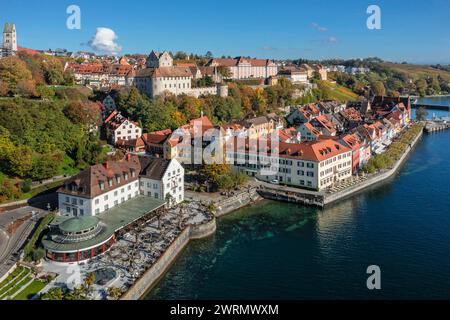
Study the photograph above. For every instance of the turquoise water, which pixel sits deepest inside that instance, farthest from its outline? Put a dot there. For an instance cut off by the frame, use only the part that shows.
(283, 251)
(441, 100)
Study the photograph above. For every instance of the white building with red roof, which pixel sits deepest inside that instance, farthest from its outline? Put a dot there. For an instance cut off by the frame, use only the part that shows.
(119, 127)
(246, 68)
(314, 165)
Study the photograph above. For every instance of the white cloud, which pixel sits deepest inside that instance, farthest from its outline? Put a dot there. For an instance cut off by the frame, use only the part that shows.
(105, 40)
(318, 27)
(332, 40)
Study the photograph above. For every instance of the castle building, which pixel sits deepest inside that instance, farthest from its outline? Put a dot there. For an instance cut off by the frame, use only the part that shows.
(161, 76)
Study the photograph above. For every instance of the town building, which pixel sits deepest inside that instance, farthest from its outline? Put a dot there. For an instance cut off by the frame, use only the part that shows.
(302, 114)
(314, 165)
(105, 186)
(160, 76)
(294, 74)
(118, 127)
(246, 68)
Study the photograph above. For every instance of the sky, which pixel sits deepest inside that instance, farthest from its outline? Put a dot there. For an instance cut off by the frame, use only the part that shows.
(414, 31)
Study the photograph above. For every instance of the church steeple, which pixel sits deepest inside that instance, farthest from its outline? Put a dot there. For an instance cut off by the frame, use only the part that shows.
(10, 37)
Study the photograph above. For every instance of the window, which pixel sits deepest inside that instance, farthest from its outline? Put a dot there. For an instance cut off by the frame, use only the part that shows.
(68, 209)
(81, 212)
(74, 201)
(156, 196)
(106, 197)
(106, 207)
(115, 193)
(97, 211)
(67, 199)
(110, 182)
(116, 202)
(81, 202)
(102, 185)
(97, 201)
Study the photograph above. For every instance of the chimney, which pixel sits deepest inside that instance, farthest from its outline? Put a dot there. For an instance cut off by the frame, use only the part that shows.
(128, 156)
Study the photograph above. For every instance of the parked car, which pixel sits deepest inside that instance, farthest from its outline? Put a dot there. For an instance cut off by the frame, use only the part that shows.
(275, 181)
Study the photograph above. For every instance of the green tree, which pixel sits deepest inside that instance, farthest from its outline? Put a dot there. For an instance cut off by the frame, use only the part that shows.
(378, 88)
(53, 294)
(23, 164)
(421, 114)
(115, 293)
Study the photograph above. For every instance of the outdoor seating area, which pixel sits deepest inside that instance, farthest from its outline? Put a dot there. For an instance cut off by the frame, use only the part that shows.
(354, 180)
(135, 251)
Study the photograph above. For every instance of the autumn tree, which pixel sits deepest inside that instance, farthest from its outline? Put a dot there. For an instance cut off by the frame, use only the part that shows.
(3, 89)
(14, 71)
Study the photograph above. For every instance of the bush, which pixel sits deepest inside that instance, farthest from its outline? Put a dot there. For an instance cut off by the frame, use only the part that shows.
(26, 186)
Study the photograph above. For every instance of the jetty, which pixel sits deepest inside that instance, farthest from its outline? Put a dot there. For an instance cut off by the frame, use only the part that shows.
(437, 125)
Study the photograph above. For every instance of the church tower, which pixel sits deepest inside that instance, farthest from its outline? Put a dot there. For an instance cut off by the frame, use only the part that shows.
(10, 37)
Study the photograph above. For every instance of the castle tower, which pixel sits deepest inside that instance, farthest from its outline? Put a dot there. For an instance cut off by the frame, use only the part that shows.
(10, 37)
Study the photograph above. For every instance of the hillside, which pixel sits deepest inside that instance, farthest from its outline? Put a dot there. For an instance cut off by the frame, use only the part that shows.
(418, 71)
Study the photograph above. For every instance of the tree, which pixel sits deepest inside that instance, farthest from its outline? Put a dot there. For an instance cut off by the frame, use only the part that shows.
(3, 89)
(23, 164)
(26, 88)
(378, 88)
(12, 71)
(89, 280)
(421, 86)
(224, 71)
(209, 55)
(115, 293)
(421, 114)
(53, 294)
(45, 92)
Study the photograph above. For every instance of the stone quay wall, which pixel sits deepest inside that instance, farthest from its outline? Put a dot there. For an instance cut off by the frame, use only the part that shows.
(152, 275)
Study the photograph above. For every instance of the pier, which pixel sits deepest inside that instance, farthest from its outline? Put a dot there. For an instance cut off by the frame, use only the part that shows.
(436, 125)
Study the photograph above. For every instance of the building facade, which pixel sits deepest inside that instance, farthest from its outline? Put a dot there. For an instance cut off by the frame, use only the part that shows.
(246, 68)
(314, 165)
(104, 186)
(9, 46)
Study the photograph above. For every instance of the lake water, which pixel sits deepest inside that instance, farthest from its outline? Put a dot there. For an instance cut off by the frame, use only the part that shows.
(276, 250)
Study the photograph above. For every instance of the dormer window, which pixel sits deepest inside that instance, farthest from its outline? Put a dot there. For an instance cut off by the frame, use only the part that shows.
(110, 182)
(133, 173)
(126, 176)
(118, 179)
(102, 185)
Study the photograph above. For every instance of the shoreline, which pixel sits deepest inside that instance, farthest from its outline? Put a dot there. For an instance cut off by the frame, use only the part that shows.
(152, 276)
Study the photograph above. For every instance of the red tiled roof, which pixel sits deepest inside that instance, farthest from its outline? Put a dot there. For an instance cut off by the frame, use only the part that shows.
(310, 151)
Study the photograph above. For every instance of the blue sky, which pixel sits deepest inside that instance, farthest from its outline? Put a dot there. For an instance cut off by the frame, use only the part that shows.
(414, 30)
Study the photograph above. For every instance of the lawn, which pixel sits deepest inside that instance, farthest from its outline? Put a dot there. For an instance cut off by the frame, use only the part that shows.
(16, 277)
(35, 287)
(16, 286)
